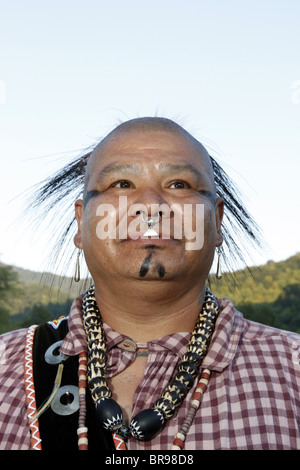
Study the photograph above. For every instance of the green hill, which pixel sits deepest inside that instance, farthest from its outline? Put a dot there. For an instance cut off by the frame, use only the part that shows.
(28, 297)
(268, 294)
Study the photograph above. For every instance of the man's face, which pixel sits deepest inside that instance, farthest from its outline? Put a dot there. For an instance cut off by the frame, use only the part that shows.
(150, 171)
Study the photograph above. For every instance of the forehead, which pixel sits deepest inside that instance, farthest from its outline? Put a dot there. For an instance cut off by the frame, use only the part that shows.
(149, 148)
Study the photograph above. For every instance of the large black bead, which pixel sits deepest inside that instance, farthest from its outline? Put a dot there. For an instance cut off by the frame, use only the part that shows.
(98, 358)
(186, 378)
(189, 367)
(97, 382)
(147, 424)
(174, 396)
(193, 357)
(166, 406)
(109, 413)
(100, 392)
(199, 338)
(179, 387)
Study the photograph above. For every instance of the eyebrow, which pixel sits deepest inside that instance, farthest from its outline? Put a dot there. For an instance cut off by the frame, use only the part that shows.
(118, 167)
(175, 168)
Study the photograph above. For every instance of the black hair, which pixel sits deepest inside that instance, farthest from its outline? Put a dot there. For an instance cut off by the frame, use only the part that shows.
(58, 193)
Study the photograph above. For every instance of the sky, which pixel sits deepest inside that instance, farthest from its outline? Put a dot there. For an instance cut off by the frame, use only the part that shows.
(226, 70)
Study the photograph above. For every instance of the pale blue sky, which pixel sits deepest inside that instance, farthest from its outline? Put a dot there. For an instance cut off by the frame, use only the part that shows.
(224, 69)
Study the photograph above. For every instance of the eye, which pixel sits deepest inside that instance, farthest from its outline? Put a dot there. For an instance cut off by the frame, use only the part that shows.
(179, 185)
(123, 184)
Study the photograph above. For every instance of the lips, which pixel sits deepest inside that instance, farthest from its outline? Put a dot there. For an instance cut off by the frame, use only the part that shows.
(134, 236)
(161, 236)
(157, 232)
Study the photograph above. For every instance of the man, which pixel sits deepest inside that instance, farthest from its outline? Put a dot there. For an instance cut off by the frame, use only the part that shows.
(153, 374)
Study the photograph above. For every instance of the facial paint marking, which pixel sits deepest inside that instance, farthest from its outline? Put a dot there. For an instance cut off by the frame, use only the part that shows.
(209, 195)
(145, 265)
(161, 270)
(89, 195)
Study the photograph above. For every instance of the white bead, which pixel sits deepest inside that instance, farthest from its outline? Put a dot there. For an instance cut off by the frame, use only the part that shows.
(203, 381)
(81, 430)
(83, 441)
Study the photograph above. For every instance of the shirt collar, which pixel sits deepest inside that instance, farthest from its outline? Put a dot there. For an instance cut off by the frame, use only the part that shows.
(222, 348)
(226, 337)
(75, 341)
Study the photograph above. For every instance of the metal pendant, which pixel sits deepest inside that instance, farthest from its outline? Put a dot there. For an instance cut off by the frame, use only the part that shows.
(66, 401)
(219, 270)
(77, 268)
(53, 355)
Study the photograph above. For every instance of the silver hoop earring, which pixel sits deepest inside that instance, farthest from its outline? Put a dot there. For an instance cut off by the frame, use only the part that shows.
(77, 268)
(219, 270)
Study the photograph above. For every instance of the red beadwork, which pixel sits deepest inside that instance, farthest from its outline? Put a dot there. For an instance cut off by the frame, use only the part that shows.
(82, 439)
(82, 383)
(201, 386)
(82, 430)
(178, 442)
(205, 375)
(198, 394)
(119, 441)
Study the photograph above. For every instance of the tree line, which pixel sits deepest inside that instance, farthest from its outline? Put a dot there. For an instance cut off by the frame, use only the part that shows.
(269, 294)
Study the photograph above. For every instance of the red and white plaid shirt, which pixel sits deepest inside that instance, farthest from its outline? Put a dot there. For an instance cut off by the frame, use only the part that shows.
(252, 401)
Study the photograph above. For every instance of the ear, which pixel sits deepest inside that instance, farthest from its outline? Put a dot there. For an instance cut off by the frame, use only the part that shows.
(219, 212)
(79, 217)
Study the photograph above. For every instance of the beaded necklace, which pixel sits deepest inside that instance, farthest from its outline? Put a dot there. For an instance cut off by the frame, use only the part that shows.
(148, 423)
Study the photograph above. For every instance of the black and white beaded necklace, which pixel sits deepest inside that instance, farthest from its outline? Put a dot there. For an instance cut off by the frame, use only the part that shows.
(148, 423)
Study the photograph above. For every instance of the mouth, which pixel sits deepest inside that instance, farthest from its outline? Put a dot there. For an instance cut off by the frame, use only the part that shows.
(150, 242)
(149, 237)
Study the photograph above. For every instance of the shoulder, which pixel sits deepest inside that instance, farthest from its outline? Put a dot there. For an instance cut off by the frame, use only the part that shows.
(12, 362)
(271, 347)
(262, 343)
(258, 331)
(13, 408)
(253, 330)
(15, 359)
(12, 347)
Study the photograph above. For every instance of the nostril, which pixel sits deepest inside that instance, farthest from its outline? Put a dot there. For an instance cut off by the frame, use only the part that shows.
(146, 214)
(158, 214)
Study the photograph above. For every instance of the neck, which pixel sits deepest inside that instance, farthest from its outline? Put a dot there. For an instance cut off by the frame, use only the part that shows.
(149, 310)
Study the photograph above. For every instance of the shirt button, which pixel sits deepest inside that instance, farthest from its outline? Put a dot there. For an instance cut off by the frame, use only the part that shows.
(128, 345)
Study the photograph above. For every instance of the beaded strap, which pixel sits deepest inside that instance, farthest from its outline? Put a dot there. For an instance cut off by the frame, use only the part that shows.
(180, 437)
(197, 349)
(82, 430)
(35, 439)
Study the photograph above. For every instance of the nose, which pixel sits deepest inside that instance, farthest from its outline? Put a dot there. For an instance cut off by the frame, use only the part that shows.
(154, 219)
(150, 204)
